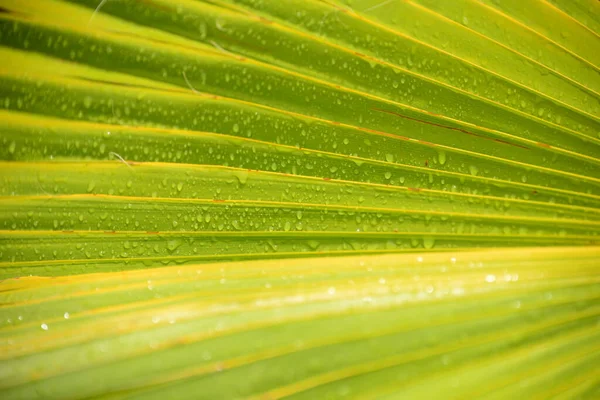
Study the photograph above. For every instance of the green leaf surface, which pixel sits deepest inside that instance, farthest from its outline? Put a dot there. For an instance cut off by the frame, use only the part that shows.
(304, 198)
(357, 325)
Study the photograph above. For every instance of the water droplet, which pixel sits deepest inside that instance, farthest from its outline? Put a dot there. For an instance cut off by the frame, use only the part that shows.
(44, 327)
(490, 278)
(172, 245)
(442, 157)
(428, 242)
(242, 176)
(313, 244)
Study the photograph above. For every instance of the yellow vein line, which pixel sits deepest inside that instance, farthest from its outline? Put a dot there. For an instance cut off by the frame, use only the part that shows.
(574, 388)
(492, 257)
(524, 241)
(248, 257)
(213, 289)
(230, 257)
(474, 32)
(344, 49)
(72, 234)
(322, 281)
(244, 270)
(279, 204)
(417, 75)
(566, 362)
(316, 79)
(186, 373)
(455, 56)
(316, 296)
(497, 359)
(417, 41)
(281, 177)
(138, 305)
(568, 16)
(524, 26)
(321, 314)
(143, 130)
(383, 100)
(215, 97)
(343, 263)
(541, 370)
(393, 361)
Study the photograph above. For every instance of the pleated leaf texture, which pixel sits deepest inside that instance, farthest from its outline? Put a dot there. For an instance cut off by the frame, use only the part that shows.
(316, 199)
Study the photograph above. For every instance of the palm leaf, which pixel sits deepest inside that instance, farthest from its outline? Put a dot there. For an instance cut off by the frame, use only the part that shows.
(304, 198)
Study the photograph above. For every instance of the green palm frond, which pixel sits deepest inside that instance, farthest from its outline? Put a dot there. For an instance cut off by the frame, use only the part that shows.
(304, 198)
